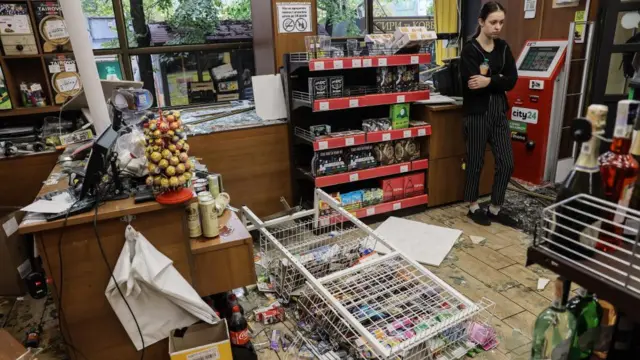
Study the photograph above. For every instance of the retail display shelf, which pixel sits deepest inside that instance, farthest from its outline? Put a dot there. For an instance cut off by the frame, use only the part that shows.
(368, 61)
(360, 139)
(304, 99)
(377, 172)
(391, 206)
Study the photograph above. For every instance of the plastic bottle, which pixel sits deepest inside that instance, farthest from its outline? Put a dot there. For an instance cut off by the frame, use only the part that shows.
(238, 329)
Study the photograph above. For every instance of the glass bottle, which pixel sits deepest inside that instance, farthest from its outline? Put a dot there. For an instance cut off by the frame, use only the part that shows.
(554, 328)
(570, 238)
(619, 170)
(588, 312)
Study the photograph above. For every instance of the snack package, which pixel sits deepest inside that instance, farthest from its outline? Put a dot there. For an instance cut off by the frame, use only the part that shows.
(407, 77)
(414, 184)
(328, 162)
(399, 114)
(336, 86)
(385, 153)
(361, 157)
(385, 79)
(381, 124)
(318, 88)
(353, 200)
(392, 189)
(406, 150)
(324, 208)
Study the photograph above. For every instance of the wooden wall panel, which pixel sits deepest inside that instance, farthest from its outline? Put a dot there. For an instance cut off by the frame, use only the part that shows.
(517, 29)
(263, 37)
(287, 43)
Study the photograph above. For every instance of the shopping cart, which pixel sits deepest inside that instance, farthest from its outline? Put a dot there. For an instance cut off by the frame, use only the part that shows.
(385, 307)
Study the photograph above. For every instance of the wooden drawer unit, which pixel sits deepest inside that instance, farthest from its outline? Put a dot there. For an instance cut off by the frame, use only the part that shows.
(16, 31)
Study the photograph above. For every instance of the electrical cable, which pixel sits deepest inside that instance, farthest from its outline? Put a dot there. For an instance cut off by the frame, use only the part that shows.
(104, 257)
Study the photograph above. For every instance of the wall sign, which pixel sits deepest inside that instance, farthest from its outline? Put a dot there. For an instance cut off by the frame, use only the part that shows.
(389, 24)
(530, 9)
(518, 126)
(526, 115)
(536, 84)
(294, 17)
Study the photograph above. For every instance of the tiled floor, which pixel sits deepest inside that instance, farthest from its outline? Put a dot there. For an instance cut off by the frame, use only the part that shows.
(494, 269)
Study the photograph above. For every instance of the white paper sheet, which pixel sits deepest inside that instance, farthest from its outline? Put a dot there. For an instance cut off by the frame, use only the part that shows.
(268, 94)
(427, 244)
(46, 207)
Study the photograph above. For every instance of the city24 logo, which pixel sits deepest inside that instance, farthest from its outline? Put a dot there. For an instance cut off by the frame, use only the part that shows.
(526, 115)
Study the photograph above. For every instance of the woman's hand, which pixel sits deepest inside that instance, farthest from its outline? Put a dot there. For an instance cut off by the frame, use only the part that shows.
(478, 82)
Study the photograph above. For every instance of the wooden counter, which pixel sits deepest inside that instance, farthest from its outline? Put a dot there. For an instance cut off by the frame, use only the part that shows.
(447, 154)
(80, 279)
(254, 163)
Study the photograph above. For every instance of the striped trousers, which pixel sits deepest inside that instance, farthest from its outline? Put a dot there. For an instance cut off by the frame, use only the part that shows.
(479, 129)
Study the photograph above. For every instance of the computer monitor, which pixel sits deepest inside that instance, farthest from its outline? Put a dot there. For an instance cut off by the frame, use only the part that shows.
(98, 162)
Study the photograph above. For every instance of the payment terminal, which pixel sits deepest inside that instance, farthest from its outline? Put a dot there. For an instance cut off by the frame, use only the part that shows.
(535, 110)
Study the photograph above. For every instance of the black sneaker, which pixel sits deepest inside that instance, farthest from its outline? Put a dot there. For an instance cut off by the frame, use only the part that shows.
(479, 217)
(502, 218)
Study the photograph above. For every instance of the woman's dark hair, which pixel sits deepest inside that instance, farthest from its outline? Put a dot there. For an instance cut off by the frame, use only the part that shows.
(486, 10)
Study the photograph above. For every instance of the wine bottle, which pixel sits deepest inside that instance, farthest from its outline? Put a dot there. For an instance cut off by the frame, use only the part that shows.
(587, 310)
(619, 171)
(554, 328)
(569, 237)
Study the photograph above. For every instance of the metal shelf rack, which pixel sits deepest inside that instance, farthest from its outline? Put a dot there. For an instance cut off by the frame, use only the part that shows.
(384, 308)
(571, 244)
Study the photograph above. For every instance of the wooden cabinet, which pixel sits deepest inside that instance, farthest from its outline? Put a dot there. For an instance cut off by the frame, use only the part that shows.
(447, 154)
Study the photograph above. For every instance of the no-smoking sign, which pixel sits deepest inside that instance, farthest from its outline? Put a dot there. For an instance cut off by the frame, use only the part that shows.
(294, 17)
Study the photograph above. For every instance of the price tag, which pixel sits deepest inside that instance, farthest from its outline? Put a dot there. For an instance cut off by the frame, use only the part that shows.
(404, 168)
(323, 145)
(356, 63)
(354, 103)
(349, 141)
(415, 60)
(338, 64)
(397, 206)
(371, 211)
(367, 63)
(324, 105)
(54, 68)
(56, 29)
(68, 84)
(406, 133)
(382, 62)
(70, 66)
(386, 136)
(353, 177)
(400, 99)
(318, 65)
(36, 87)
(422, 132)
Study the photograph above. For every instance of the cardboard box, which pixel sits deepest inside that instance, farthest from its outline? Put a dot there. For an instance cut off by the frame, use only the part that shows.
(14, 256)
(10, 348)
(201, 342)
(414, 185)
(408, 37)
(392, 189)
(399, 115)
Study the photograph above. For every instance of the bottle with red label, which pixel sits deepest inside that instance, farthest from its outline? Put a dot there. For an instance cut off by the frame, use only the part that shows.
(619, 170)
(238, 329)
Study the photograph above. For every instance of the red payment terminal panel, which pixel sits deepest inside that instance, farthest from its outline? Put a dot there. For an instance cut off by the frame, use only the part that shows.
(535, 110)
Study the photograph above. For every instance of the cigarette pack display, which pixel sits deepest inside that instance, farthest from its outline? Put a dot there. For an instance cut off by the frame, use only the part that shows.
(51, 26)
(361, 157)
(385, 77)
(399, 114)
(414, 184)
(392, 189)
(385, 153)
(320, 130)
(318, 88)
(381, 124)
(336, 86)
(407, 77)
(407, 150)
(328, 162)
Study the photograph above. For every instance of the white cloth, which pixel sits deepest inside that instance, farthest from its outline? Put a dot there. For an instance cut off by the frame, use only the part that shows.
(161, 299)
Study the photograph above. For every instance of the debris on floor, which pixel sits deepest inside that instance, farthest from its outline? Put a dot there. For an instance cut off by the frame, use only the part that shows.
(542, 283)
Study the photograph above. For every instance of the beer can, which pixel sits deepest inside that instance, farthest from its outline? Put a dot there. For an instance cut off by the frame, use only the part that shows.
(214, 185)
(193, 220)
(208, 214)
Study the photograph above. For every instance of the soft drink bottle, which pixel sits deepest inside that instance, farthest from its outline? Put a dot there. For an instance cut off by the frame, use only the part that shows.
(238, 328)
(232, 300)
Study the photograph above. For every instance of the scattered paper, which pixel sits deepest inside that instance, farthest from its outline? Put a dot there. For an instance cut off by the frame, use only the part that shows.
(46, 207)
(476, 239)
(10, 226)
(269, 97)
(542, 283)
(426, 244)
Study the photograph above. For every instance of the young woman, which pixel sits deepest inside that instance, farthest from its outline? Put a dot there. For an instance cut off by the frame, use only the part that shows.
(488, 70)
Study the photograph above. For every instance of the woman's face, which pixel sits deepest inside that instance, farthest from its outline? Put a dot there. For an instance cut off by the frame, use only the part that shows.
(492, 26)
